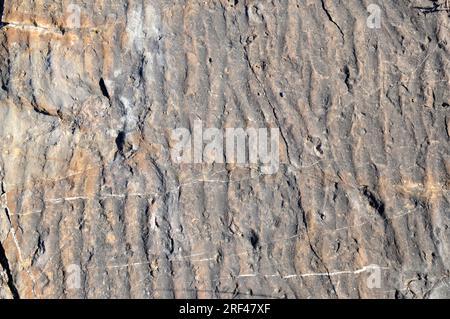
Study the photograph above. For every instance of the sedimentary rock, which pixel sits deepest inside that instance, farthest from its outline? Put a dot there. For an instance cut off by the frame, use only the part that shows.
(94, 206)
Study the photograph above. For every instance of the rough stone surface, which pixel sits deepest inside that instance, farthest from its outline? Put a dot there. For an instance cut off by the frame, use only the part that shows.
(87, 181)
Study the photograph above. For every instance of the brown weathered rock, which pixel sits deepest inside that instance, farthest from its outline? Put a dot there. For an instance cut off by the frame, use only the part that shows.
(93, 206)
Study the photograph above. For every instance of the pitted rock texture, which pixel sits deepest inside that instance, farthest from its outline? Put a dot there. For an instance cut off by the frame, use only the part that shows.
(92, 206)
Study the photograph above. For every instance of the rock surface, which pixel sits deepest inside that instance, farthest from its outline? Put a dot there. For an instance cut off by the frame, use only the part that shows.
(92, 206)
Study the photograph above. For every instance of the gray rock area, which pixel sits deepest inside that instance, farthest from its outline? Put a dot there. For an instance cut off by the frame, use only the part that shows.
(93, 205)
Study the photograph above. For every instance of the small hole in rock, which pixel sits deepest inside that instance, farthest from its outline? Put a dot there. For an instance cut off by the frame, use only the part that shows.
(120, 141)
(253, 238)
(103, 88)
